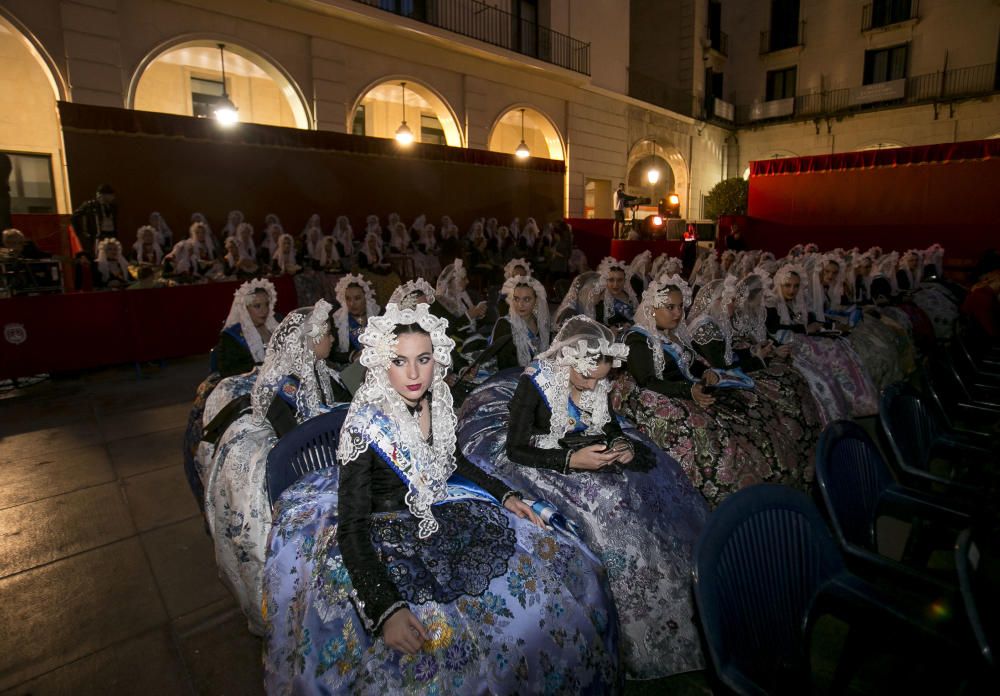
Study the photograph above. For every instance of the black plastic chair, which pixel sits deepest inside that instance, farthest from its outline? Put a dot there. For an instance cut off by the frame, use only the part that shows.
(917, 440)
(857, 489)
(945, 392)
(979, 594)
(766, 567)
(310, 446)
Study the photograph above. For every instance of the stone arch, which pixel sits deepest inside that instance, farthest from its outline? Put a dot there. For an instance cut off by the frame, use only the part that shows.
(668, 159)
(383, 111)
(199, 53)
(540, 132)
(31, 85)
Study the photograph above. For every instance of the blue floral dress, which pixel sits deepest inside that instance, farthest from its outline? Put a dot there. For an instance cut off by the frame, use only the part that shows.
(510, 608)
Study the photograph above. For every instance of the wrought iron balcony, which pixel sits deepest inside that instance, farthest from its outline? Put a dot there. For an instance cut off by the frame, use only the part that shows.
(771, 41)
(494, 26)
(652, 89)
(885, 13)
(938, 87)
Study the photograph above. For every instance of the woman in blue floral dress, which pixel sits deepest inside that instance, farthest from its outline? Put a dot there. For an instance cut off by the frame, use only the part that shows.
(406, 569)
(633, 505)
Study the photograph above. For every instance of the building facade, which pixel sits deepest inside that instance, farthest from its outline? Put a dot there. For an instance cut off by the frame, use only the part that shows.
(696, 88)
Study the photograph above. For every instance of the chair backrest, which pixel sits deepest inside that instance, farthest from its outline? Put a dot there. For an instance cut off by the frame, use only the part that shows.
(980, 599)
(761, 559)
(909, 427)
(310, 446)
(852, 477)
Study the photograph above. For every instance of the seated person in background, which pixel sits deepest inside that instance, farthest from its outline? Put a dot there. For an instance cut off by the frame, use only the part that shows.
(615, 299)
(329, 257)
(17, 246)
(112, 269)
(180, 263)
(526, 323)
(357, 305)
(146, 250)
(370, 257)
(247, 329)
(284, 262)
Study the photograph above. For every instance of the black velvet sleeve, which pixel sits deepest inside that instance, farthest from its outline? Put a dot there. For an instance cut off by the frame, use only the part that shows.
(748, 362)
(524, 408)
(506, 356)
(494, 486)
(774, 324)
(232, 357)
(714, 352)
(640, 365)
(377, 595)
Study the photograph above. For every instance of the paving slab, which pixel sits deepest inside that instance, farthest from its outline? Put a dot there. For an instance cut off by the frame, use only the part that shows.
(69, 609)
(24, 479)
(150, 420)
(142, 453)
(149, 665)
(225, 658)
(160, 497)
(46, 530)
(183, 562)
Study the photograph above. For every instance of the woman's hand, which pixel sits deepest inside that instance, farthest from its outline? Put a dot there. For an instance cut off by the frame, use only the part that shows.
(478, 312)
(784, 351)
(523, 510)
(624, 452)
(699, 396)
(814, 327)
(592, 458)
(765, 351)
(403, 632)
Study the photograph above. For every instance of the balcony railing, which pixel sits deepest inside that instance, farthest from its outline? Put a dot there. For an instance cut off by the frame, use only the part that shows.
(494, 26)
(941, 86)
(719, 41)
(777, 41)
(876, 15)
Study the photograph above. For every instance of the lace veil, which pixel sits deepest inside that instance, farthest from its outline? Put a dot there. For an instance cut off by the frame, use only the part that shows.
(104, 263)
(290, 352)
(580, 344)
(340, 316)
(797, 310)
(238, 314)
(405, 295)
(519, 328)
(508, 269)
(433, 463)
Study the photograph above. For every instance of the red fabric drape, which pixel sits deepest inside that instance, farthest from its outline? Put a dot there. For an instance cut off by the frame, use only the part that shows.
(867, 159)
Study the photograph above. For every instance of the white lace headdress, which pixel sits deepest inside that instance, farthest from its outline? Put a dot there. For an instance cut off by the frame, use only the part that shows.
(708, 319)
(340, 316)
(656, 295)
(233, 221)
(376, 237)
(934, 255)
(244, 241)
(749, 317)
(162, 230)
(519, 328)
(455, 300)
(434, 462)
(104, 263)
(580, 345)
(578, 299)
(203, 248)
(508, 269)
(798, 313)
(328, 254)
(639, 266)
(405, 295)
(148, 230)
(822, 297)
(914, 277)
(238, 314)
(290, 352)
(343, 233)
(601, 292)
(286, 259)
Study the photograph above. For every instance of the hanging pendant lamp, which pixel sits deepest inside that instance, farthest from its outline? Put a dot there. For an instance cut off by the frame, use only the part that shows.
(522, 151)
(404, 136)
(226, 112)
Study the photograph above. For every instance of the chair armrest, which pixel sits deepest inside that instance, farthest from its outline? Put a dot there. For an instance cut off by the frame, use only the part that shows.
(879, 571)
(926, 505)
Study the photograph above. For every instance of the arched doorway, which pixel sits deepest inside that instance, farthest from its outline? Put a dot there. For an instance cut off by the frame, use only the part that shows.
(379, 112)
(31, 138)
(540, 134)
(667, 160)
(185, 77)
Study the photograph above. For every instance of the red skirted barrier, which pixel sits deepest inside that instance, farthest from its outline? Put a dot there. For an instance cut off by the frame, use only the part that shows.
(898, 198)
(593, 237)
(65, 333)
(625, 250)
